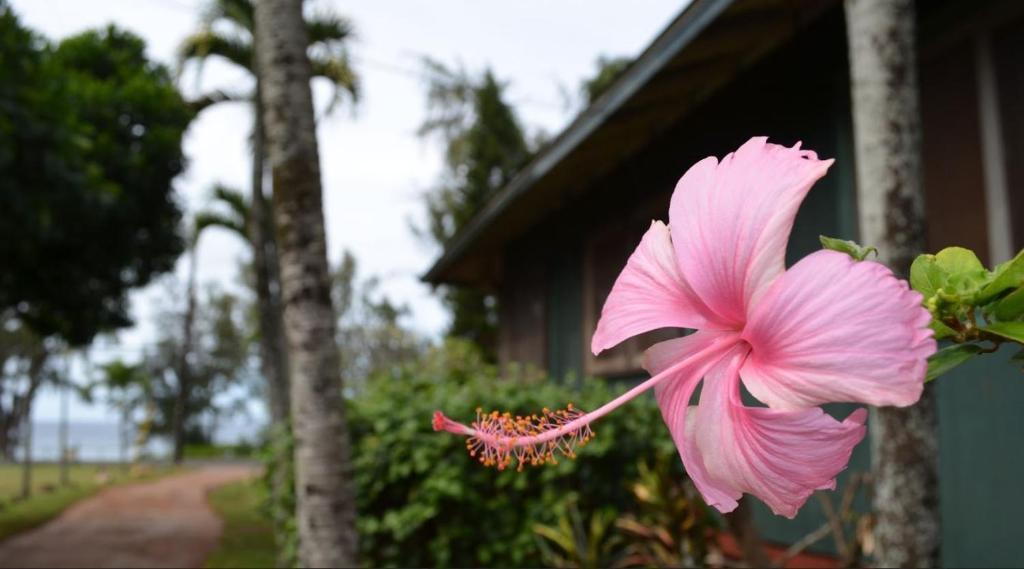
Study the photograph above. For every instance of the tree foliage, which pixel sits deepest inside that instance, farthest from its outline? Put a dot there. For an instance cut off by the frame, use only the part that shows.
(372, 336)
(485, 147)
(609, 69)
(90, 141)
(227, 33)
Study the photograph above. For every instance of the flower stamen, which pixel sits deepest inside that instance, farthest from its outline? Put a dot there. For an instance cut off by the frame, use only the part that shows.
(496, 438)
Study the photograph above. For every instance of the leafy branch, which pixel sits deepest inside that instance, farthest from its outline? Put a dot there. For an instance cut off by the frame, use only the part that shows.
(975, 308)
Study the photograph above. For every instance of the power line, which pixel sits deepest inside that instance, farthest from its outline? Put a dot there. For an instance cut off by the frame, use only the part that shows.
(182, 5)
(422, 76)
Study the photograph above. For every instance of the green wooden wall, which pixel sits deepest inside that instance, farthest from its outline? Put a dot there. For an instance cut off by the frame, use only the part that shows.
(564, 306)
(981, 466)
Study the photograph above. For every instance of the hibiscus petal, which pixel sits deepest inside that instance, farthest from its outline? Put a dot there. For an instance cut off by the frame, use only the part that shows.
(649, 294)
(731, 220)
(834, 329)
(673, 397)
(781, 457)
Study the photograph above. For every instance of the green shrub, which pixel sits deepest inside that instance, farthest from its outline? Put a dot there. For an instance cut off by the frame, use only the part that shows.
(424, 502)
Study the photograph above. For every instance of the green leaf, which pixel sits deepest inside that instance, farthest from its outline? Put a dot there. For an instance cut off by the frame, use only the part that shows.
(953, 276)
(965, 274)
(925, 276)
(1010, 307)
(948, 358)
(956, 260)
(1006, 276)
(1010, 330)
(851, 248)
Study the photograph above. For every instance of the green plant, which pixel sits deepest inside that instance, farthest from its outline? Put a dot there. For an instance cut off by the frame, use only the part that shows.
(280, 506)
(423, 502)
(575, 543)
(671, 527)
(977, 309)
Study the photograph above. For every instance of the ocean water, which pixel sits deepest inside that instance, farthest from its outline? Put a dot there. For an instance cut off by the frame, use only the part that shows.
(89, 441)
(99, 441)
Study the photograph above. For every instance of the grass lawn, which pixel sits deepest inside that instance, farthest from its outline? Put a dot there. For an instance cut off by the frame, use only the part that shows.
(248, 539)
(48, 498)
(206, 451)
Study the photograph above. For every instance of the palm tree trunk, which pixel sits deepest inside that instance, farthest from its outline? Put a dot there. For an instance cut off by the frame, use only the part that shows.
(325, 509)
(273, 356)
(184, 371)
(890, 198)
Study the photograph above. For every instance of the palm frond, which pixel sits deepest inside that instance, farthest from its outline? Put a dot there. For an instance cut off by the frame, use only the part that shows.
(234, 199)
(207, 219)
(235, 219)
(207, 43)
(329, 34)
(337, 69)
(241, 13)
(327, 27)
(216, 97)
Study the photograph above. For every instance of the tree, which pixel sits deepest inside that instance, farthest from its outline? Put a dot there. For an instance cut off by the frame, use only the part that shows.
(609, 69)
(218, 359)
(184, 354)
(127, 389)
(371, 336)
(24, 367)
(486, 146)
(887, 136)
(90, 141)
(325, 502)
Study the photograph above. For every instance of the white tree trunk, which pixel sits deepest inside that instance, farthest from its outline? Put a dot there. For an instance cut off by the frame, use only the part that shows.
(890, 200)
(325, 500)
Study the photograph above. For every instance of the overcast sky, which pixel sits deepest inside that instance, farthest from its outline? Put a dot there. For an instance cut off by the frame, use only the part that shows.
(375, 168)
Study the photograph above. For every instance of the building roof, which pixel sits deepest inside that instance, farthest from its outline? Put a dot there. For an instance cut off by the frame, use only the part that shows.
(700, 51)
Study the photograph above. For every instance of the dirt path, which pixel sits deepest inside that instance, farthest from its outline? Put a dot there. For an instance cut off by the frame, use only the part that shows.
(166, 523)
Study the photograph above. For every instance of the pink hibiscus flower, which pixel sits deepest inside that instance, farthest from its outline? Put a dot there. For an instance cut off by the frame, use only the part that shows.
(829, 329)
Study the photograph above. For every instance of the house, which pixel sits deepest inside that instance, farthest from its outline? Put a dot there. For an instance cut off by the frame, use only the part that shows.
(551, 243)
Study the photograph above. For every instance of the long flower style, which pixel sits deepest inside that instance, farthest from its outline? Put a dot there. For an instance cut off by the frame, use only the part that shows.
(829, 329)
